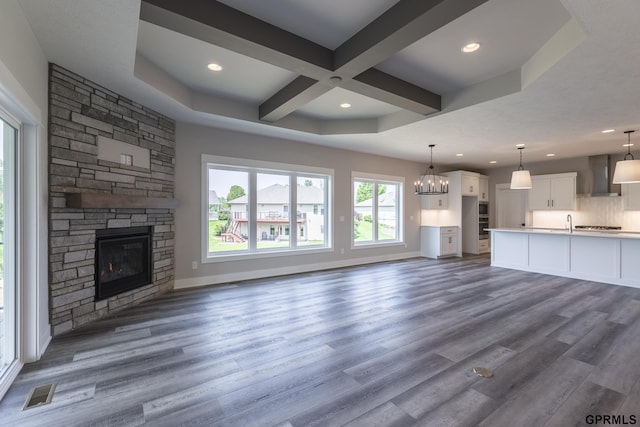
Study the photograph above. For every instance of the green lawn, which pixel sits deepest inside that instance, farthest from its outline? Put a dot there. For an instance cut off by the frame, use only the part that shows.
(365, 231)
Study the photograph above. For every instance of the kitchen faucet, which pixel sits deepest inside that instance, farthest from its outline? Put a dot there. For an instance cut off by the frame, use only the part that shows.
(570, 219)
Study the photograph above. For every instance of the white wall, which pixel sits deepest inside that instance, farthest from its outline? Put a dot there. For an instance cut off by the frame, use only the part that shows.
(23, 92)
(192, 141)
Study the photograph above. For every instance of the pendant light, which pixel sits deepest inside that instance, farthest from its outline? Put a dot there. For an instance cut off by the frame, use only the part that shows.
(520, 179)
(627, 170)
(430, 182)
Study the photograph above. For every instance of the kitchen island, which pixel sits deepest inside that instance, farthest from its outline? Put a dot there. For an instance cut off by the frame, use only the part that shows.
(601, 256)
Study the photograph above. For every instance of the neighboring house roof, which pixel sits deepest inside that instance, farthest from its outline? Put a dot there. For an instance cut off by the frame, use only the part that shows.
(278, 194)
(213, 198)
(384, 199)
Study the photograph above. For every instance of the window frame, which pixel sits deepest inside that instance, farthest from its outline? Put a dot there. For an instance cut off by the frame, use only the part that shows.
(378, 179)
(253, 168)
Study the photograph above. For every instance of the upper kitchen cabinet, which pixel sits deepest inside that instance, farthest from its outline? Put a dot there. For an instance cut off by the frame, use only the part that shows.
(470, 183)
(483, 190)
(631, 196)
(553, 192)
(435, 201)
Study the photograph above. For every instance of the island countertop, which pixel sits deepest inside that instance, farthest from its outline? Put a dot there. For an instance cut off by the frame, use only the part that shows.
(576, 232)
(602, 256)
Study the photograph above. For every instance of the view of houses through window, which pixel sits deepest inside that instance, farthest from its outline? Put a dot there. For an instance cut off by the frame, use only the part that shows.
(234, 227)
(376, 211)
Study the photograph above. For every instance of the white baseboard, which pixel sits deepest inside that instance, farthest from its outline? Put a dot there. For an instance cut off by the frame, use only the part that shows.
(44, 342)
(195, 282)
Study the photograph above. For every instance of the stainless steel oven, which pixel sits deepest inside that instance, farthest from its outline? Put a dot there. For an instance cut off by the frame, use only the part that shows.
(483, 209)
(483, 220)
(483, 224)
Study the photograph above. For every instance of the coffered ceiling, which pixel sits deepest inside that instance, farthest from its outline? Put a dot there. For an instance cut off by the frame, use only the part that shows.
(549, 73)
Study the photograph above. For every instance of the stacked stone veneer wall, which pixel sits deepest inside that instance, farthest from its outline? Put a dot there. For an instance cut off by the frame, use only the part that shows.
(80, 111)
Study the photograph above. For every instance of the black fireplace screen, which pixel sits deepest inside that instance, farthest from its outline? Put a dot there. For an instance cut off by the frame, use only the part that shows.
(123, 260)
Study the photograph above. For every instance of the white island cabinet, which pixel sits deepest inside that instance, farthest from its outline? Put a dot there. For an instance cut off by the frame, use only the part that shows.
(609, 257)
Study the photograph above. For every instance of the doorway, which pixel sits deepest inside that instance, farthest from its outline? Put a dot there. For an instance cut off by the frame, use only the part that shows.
(8, 288)
(511, 207)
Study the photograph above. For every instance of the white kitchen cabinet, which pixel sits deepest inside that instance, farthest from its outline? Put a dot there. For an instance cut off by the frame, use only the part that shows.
(483, 191)
(438, 241)
(483, 246)
(631, 196)
(553, 192)
(470, 184)
(448, 241)
(435, 201)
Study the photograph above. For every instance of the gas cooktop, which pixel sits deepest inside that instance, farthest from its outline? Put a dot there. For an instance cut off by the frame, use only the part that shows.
(597, 227)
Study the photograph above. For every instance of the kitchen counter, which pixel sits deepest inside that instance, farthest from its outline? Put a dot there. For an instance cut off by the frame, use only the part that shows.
(576, 232)
(602, 256)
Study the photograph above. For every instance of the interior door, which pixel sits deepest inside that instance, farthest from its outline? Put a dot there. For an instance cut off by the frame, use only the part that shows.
(511, 207)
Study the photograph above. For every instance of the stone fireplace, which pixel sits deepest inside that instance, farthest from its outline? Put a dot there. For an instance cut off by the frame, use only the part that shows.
(111, 168)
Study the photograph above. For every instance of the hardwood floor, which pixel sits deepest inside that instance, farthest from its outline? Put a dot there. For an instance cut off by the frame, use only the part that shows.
(390, 344)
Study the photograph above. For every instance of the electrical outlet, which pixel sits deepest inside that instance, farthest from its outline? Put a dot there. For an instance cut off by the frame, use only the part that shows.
(194, 265)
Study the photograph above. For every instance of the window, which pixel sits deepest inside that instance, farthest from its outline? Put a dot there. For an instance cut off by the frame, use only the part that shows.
(272, 200)
(8, 243)
(377, 209)
(264, 208)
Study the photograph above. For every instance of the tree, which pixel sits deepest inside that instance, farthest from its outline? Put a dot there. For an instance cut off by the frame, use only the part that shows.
(235, 191)
(308, 183)
(365, 191)
(224, 209)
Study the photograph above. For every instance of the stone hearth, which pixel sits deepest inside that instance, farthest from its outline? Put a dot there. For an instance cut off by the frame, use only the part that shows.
(87, 125)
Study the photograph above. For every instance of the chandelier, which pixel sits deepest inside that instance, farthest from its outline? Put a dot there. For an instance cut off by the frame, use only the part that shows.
(430, 182)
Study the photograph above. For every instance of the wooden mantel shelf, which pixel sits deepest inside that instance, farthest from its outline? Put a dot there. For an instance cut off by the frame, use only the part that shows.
(112, 201)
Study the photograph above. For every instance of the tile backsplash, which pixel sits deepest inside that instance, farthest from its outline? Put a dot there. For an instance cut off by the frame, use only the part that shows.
(591, 211)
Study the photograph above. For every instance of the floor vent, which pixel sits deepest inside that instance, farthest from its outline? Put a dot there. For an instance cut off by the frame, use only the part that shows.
(483, 372)
(40, 395)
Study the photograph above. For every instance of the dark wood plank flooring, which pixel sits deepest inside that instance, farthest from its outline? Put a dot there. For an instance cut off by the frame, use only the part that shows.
(389, 344)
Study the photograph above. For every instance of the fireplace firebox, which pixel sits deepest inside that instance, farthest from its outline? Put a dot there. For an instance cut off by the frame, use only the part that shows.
(123, 260)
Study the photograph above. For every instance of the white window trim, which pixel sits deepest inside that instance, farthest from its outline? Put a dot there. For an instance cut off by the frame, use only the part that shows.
(379, 179)
(259, 166)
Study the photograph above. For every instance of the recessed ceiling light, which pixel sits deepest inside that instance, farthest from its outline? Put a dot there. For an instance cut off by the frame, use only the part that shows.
(550, 155)
(459, 155)
(519, 145)
(345, 105)
(493, 162)
(608, 130)
(214, 67)
(471, 47)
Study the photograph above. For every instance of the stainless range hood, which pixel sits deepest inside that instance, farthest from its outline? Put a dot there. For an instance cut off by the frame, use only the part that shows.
(599, 177)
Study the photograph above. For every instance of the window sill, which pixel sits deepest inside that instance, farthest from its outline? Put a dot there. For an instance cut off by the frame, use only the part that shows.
(264, 254)
(371, 245)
